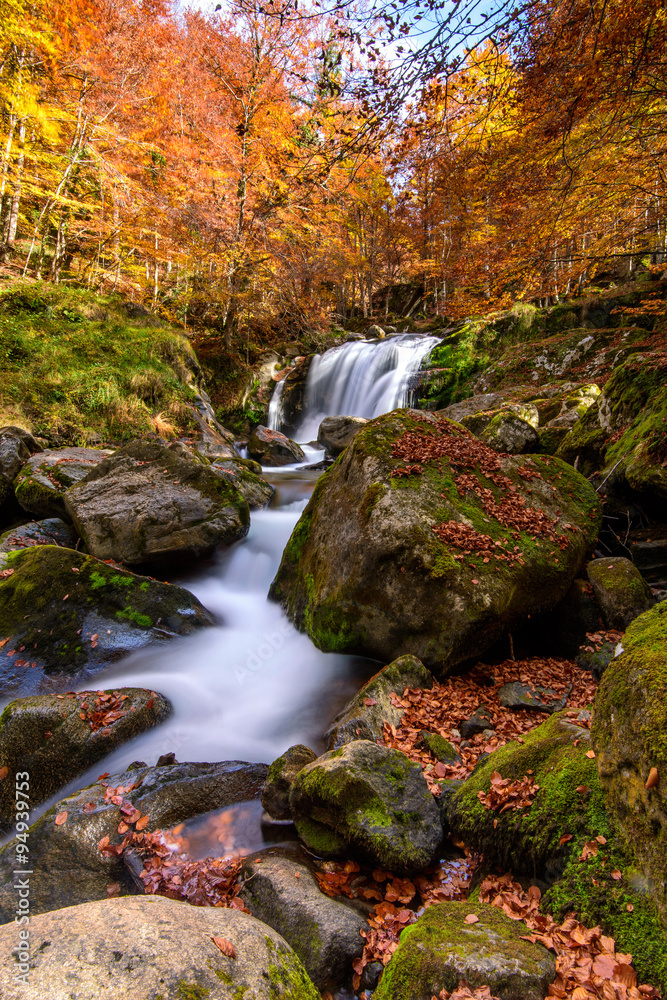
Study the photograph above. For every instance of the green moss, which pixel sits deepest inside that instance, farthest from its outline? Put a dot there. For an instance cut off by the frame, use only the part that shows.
(192, 991)
(370, 499)
(320, 838)
(130, 615)
(288, 980)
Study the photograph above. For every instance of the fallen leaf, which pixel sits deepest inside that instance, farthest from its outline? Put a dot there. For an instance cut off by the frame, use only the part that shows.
(225, 946)
(113, 889)
(629, 907)
(652, 779)
(4, 771)
(61, 818)
(616, 875)
(590, 754)
(565, 838)
(472, 918)
(142, 823)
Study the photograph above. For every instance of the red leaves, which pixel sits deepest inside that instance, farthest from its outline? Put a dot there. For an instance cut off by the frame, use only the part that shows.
(506, 793)
(225, 946)
(652, 779)
(3, 576)
(472, 918)
(4, 771)
(61, 818)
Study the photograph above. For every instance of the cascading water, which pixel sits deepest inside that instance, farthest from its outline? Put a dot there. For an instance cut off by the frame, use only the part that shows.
(358, 379)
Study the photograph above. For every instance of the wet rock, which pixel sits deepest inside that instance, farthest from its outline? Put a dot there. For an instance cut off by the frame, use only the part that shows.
(531, 696)
(52, 531)
(149, 946)
(282, 892)
(527, 841)
(365, 571)
(250, 485)
(67, 865)
(65, 615)
(273, 448)
(620, 590)
(374, 331)
(370, 800)
(283, 771)
(46, 736)
(441, 949)
(336, 433)
(41, 484)
(145, 503)
(630, 738)
(479, 721)
(364, 716)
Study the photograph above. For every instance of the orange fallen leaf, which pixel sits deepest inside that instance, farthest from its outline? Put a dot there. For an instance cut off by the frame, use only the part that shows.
(225, 946)
(616, 875)
(590, 754)
(565, 838)
(629, 907)
(472, 918)
(4, 771)
(61, 818)
(142, 823)
(652, 779)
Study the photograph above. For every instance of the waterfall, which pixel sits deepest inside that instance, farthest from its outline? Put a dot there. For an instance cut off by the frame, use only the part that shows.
(359, 379)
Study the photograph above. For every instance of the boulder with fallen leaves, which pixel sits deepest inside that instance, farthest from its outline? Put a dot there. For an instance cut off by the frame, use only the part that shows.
(148, 946)
(630, 738)
(368, 800)
(365, 716)
(477, 943)
(57, 737)
(530, 802)
(76, 847)
(421, 539)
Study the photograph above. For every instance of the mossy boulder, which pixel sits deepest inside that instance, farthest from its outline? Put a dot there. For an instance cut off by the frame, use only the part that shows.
(630, 737)
(64, 615)
(369, 800)
(441, 748)
(281, 890)
(16, 447)
(620, 590)
(57, 737)
(283, 771)
(152, 947)
(273, 448)
(41, 484)
(65, 859)
(145, 504)
(527, 841)
(51, 531)
(250, 485)
(511, 433)
(420, 539)
(440, 949)
(336, 433)
(364, 716)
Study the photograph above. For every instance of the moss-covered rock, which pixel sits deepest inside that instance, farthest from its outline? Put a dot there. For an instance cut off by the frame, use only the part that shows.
(441, 949)
(273, 448)
(153, 948)
(370, 800)
(364, 716)
(528, 841)
(441, 748)
(41, 484)
(281, 890)
(145, 503)
(283, 771)
(246, 480)
(511, 433)
(409, 543)
(630, 737)
(620, 590)
(65, 615)
(65, 859)
(57, 737)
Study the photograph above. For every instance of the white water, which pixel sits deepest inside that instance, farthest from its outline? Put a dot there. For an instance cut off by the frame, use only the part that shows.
(359, 379)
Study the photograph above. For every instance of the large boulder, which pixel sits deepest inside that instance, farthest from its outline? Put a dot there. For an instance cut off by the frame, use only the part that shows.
(65, 615)
(41, 484)
(364, 716)
(511, 433)
(149, 946)
(630, 738)
(336, 433)
(272, 448)
(420, 539)
(281, 891)
(65, 860)
(370, 800)
(441, 949)
(57, 737)
(52, 531)
(620, 590)
(145, 503)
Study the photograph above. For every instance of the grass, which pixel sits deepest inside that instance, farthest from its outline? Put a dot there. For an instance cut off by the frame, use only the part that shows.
(78, 368)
